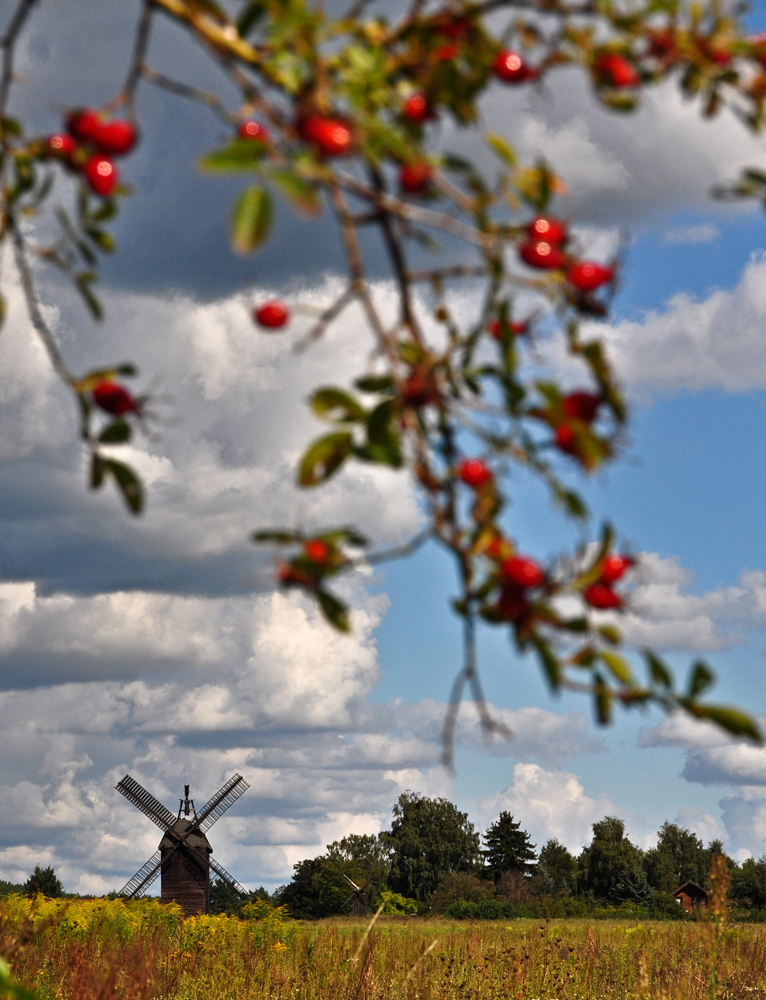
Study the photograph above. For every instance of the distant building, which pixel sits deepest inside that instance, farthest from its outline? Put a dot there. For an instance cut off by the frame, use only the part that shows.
(692, 896)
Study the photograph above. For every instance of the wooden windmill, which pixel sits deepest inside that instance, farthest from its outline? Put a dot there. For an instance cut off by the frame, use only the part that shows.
(358, 898)
(183, 857)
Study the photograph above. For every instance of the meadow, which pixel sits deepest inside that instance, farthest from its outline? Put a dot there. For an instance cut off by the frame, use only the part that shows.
(140, 950)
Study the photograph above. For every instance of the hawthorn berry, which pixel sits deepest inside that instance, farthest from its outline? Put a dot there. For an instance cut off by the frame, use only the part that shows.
(602, 597)
(329, 136)
(61, 144)
(587, 276)
(272, 314)
(614, 568)
(552, 231)
(101, 174)
(495, 328)
(115, 138)
(416, 108)
(510, 67)
(253, 130)
(317, 551)
(420, 388)
(616, 71)
(446, 52)
(522, 572)
(582, 406)
(513, 605)
(114, 399)
(475, 473)
(566, 439)
(541, 254)
(414, 177)
(84, 124)
(293, 576)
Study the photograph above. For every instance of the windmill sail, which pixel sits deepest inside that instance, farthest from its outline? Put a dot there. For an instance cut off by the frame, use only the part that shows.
(223, 874)
(225, 797)
(143, 878)
(146, 802)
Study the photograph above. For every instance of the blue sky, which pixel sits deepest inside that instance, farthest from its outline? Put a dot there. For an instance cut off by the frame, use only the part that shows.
(159, 647)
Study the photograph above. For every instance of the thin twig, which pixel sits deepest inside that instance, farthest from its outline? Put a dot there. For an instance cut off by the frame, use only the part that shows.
(440, 273)
(140, 47)
(331, 313)
(417, 962)
(33, 308)
(204, 97)
(7, 44)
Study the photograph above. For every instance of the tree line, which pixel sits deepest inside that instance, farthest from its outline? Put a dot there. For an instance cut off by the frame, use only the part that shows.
(433, 859)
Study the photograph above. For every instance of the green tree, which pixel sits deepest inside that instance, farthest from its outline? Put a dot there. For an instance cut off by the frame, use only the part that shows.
(611, 867)
(429, 840)
(460, 887)
(558, 867)
(748, 883)
(508, 848)
(678, 857)
(319, 887)
(44, 880)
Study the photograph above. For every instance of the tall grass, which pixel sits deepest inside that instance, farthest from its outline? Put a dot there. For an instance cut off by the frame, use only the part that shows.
(143, 951)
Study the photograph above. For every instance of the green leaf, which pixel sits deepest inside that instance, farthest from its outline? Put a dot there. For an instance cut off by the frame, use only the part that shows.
(610, 634)
(733, 721)
(374, 383)
(602, 697)
(242, 155)
(701, 679)
(278, 537)
(324, 457)
(301, 193)
(501, 147)
(128, 484)
(83, 282)
(334, 611)
(249, 17)
(379, 429)
(96, 472)
(251, 219)
(103, 240)
(549, 662)
(659, 672)
(618, 666)
(337, 404)
(118, 432)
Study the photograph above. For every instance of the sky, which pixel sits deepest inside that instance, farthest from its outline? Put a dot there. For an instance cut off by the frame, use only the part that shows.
(159, 646)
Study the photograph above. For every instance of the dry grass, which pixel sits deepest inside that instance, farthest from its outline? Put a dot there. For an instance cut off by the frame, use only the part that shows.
(145, 953)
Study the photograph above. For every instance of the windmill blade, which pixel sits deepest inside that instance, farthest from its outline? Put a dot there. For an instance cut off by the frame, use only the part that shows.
(223, 874)
(143, 878)
(355, 886)
(146, 802)
(225, 797)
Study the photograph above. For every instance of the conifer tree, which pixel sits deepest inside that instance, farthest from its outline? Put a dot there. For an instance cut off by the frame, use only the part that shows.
(508, 848)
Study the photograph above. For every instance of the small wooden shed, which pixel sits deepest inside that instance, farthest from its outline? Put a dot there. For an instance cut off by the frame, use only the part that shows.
(691, 896)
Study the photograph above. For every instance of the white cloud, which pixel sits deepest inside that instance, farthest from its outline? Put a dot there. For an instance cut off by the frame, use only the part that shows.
(703, 232)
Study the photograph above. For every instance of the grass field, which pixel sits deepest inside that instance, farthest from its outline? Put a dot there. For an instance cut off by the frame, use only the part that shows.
(143, 951)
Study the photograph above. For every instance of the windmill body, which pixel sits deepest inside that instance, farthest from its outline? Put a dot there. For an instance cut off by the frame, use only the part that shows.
(183, 859)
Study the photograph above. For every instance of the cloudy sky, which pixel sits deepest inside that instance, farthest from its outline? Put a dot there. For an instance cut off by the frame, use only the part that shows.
(158, 646)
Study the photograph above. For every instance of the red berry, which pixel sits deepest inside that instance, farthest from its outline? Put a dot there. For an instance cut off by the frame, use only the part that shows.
(101, 175)
(614, 567)
(615, 70)
(513, 605)
(551, 230)
(115, 138)
(253, 130)
(566, 439)
(602, 597)
(61, 144)
(317, 551)
(84, 124)
(586, 276)
(272, 314)
(414, 177)
(517, 329)
(329, 136)
(446, 52)
(475, 473)
(523, 572)
(510, 67)
(113, 398)
(582, 406)
(416, 108)
(293, 576)
(420, 388)
(541, 254)
(498, 549)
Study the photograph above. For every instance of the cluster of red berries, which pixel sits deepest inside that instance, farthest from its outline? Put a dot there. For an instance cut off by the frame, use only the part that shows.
(601, 595)
(576, 406)
(90, 144)
(544, 249)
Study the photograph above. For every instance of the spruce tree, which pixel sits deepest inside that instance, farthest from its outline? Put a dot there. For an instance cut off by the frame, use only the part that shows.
(44, 880)
(508, 848)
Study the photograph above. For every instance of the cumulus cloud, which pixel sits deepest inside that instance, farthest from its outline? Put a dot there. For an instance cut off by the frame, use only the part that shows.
(703, 232)
(551, 804)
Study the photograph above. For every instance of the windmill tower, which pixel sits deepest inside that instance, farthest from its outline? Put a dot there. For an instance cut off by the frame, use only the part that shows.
(183, 858)
(358, 898)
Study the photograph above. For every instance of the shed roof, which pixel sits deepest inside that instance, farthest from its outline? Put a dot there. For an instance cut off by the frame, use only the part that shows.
(692, 889)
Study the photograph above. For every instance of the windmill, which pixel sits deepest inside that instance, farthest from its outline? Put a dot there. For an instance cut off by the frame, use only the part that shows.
(183, 857)
(359, 897)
